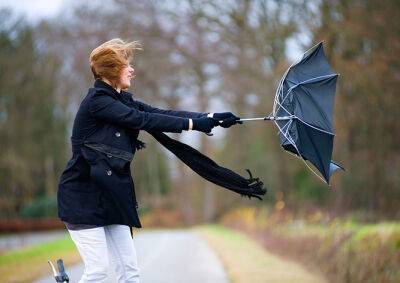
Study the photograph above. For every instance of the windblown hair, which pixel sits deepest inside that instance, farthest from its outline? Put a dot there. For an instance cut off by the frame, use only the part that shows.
(108, 59)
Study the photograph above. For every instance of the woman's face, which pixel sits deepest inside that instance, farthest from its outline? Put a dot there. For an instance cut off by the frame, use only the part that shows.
(127, 74)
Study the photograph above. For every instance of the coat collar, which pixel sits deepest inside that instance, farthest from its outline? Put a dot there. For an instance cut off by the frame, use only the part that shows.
(99, 84)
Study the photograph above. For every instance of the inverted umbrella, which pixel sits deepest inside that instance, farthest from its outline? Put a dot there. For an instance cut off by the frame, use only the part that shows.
(303, 110)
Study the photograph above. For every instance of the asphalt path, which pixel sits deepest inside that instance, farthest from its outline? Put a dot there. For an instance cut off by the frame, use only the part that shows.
(178, 256)
(21, 240)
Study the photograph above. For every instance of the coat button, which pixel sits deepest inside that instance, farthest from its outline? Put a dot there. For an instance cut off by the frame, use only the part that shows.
(117, 134)
(109, 172)
(137, 206)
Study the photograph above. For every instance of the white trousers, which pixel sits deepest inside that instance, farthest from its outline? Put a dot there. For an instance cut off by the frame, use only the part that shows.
(101, 246)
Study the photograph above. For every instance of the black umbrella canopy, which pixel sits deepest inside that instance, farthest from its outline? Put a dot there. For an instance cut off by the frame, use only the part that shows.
(305, 99)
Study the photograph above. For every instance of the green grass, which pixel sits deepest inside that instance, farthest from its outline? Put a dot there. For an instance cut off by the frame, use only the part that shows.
(247, 261)
(37, 251)
(29, 263)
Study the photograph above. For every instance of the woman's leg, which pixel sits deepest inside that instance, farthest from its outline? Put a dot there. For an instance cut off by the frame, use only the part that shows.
(92, 247)
(123, 253)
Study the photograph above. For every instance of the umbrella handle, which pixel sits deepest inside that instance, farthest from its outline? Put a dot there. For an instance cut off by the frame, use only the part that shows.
(269, 118)
(266, 118)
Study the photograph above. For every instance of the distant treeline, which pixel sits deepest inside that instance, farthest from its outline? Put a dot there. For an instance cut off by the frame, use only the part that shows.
(207, 56)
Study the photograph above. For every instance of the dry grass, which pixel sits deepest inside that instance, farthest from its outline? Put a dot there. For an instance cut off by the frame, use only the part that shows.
(246, 261)
(26, 265)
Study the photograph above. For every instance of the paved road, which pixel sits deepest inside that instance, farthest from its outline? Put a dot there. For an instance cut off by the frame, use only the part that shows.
(178, 256)
(20, 240)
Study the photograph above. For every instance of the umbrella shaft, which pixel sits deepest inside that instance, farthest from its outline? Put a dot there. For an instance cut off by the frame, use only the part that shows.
(268, 118)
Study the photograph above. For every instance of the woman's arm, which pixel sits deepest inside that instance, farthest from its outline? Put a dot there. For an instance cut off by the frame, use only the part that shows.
(105, 107)
(183, 114)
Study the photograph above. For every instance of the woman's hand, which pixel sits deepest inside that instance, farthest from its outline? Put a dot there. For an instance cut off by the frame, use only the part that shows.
(226, 119)
(204, 125)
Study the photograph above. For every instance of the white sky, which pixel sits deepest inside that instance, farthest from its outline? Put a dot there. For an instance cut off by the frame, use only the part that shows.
(34, 9)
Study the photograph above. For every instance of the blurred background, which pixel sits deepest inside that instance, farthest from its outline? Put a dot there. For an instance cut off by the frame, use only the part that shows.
(216, 56)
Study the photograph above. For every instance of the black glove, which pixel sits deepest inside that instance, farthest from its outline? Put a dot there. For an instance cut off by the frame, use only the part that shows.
(223, 115)
(228, 119)
(204, 124)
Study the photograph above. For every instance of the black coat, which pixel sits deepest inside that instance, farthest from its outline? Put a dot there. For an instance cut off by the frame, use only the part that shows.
(96, 186)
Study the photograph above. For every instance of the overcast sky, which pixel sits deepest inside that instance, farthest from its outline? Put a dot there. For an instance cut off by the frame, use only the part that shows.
(34, 9)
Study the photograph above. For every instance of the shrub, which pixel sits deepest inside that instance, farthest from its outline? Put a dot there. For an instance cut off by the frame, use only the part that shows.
(40, 207)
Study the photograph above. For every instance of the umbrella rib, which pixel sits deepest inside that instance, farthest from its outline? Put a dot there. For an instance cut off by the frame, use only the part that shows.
(309, 52)
(283, 107)
(305, 54)
(276, 101)
(285, 128)
(288, 124)
(279, 90)
(315, 79)
(295, 117)
(316, 128)
(289, 138)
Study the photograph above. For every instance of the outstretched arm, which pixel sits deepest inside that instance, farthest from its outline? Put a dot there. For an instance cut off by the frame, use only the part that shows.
(184, 114)
(104, 107)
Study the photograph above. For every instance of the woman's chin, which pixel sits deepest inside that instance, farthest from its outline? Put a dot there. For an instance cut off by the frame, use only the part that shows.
(126, 86)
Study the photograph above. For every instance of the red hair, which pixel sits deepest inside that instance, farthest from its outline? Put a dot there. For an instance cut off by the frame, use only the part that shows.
(108, 59)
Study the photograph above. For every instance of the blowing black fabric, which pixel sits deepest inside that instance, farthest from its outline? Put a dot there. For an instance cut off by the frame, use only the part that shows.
(206, 167)
(209, 169)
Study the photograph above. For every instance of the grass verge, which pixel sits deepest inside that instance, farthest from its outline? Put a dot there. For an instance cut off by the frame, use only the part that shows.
(28, 264)
(247, 261)
(342, 249)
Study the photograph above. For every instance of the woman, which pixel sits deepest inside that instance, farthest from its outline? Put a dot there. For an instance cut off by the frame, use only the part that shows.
(96, 195)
